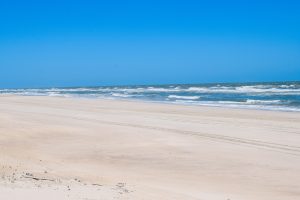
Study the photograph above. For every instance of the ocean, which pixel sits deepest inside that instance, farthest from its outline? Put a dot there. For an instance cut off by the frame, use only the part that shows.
(284, 96)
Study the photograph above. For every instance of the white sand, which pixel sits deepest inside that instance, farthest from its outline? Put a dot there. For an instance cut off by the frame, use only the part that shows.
(60, 148)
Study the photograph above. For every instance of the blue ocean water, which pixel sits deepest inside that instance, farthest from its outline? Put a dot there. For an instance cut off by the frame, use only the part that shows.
(283, 96)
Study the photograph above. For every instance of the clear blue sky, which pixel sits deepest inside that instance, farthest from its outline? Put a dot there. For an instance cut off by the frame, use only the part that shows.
(74, 43)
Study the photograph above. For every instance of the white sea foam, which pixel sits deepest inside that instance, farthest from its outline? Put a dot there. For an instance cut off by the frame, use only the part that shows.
(151, 89)
(249, 89)
(183, 97)
(253, 101)
(121, 95)
(233, 104)
(260, 96)
(243, 89)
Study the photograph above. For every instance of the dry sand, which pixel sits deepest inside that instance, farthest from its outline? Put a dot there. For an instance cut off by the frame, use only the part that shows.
(63, 148)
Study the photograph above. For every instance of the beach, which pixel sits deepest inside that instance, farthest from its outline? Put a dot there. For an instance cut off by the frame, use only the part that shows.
(80, 148)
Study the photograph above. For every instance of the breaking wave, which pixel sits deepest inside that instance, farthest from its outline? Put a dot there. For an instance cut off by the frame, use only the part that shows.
(274, 96)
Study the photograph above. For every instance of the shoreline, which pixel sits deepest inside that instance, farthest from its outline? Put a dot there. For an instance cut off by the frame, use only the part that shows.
(161, 103)
(137, 149)
(281, 96)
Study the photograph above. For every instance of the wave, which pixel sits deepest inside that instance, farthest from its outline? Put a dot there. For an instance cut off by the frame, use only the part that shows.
(121, 95)
(253, 101)
(268, 89)
(243, 89)
(183, 97)
(238, 105)
(279, 96)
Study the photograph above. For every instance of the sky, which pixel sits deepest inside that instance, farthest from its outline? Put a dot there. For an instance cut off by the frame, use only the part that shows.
(92, 43)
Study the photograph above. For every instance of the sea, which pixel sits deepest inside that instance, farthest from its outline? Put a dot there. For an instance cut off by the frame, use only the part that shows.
(283, 96)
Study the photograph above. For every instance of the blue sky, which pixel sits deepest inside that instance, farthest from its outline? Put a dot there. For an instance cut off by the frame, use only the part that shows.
(81, 43)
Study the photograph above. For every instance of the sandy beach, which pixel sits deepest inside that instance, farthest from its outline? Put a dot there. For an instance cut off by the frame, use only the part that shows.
(73, 148)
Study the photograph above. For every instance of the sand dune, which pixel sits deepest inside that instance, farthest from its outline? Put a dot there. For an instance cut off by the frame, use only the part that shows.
(67, 148)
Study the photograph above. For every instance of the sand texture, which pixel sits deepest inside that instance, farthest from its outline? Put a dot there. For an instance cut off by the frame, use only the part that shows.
(68, 148)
